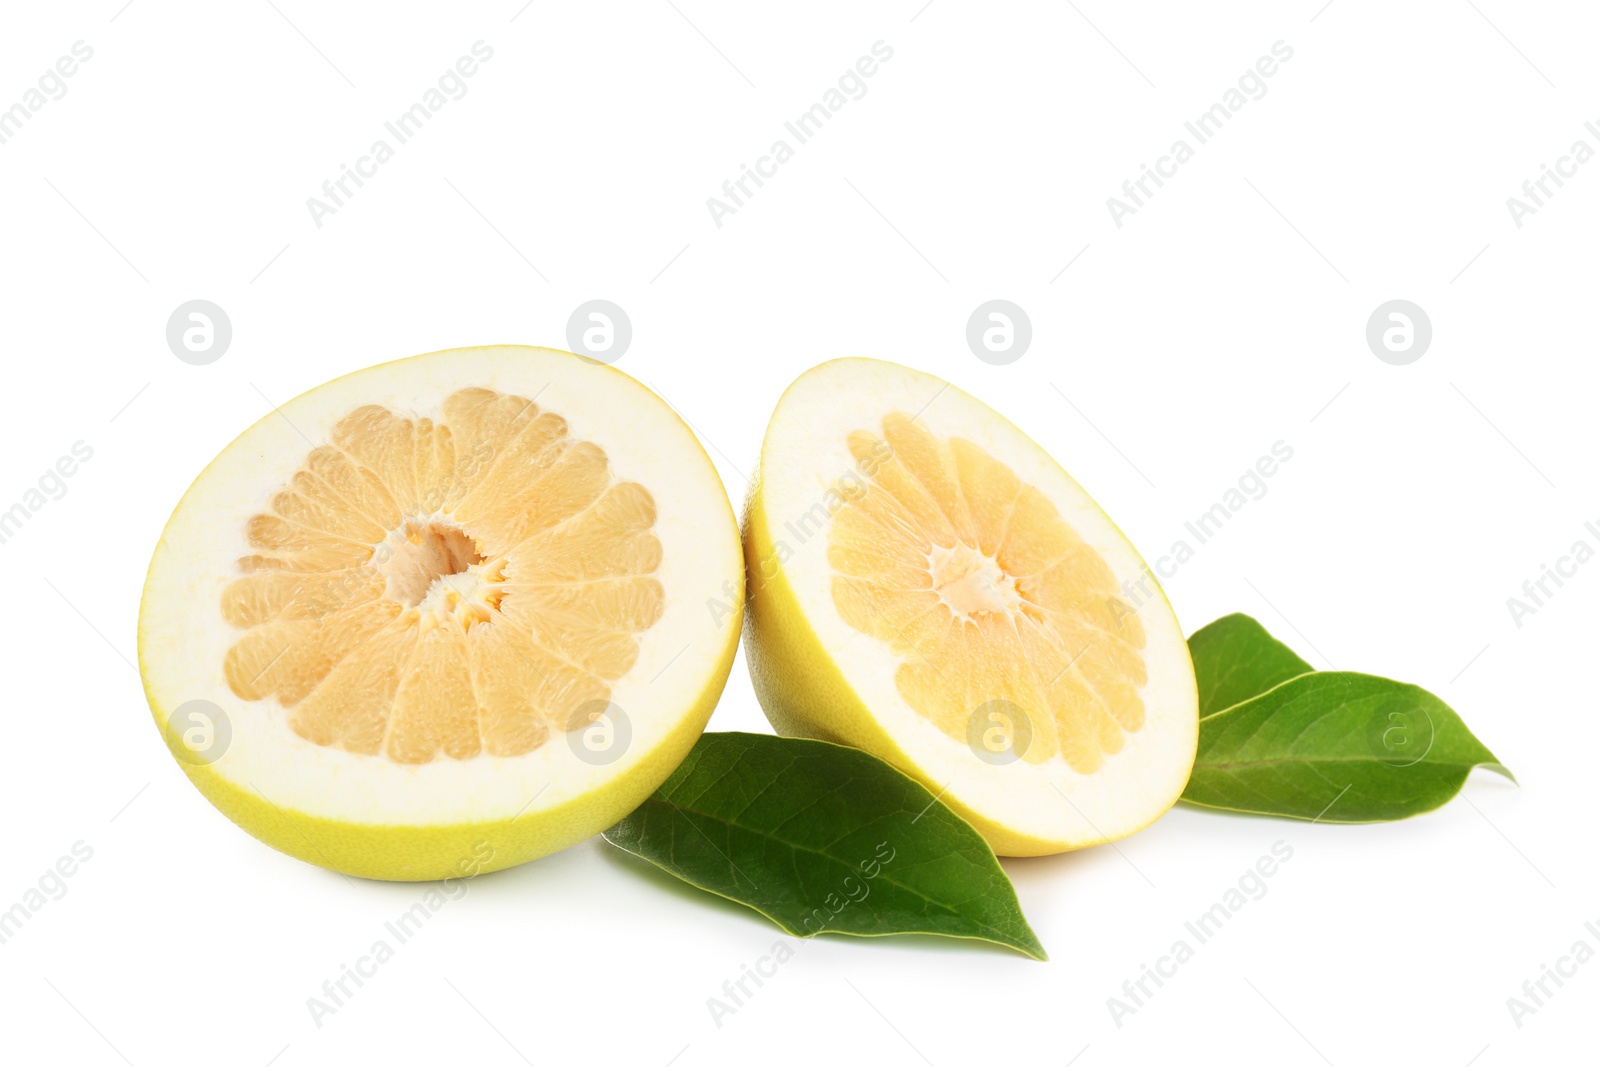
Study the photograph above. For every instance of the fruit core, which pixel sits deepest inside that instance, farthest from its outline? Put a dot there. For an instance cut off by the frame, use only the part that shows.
(416, 556)
(970, 582)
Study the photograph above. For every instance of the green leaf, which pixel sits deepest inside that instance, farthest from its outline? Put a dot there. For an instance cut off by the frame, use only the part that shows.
(818, 837)
(1236, 659)
(1335, 746)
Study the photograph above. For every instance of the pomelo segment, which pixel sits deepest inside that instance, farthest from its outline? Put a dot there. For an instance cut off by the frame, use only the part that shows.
(930, 586)
(446, 612)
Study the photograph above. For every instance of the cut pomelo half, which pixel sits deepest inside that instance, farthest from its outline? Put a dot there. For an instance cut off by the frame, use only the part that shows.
(444, 615)
(930, 586)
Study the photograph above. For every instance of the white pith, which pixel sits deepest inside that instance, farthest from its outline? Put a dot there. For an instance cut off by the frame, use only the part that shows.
(184, 638)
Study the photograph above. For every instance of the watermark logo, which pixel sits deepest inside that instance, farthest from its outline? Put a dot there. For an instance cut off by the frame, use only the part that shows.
(726, 606)
(51, 86)
(1399, 332)
(1250, 486)
(1251, 85)
(450, 86)
(1538, 190)
(1400, 733)
(598, 732)
(999, 332)
(853, 889)
(199, 332)
(199, 732)
(999, 732)
(51, 886)
(1536, 992)
(791, 538)
(1251, 885)
(1537, 592)
(52, 485)
(337, 991)
(600, 330)
(851, 85)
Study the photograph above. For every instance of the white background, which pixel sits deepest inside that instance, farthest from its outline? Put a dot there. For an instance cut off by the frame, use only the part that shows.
(1226, 315)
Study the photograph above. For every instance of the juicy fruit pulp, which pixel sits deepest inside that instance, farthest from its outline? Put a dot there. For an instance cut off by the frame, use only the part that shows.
(968, 619)
(449, 610)
(972, 577)
(457, 588)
